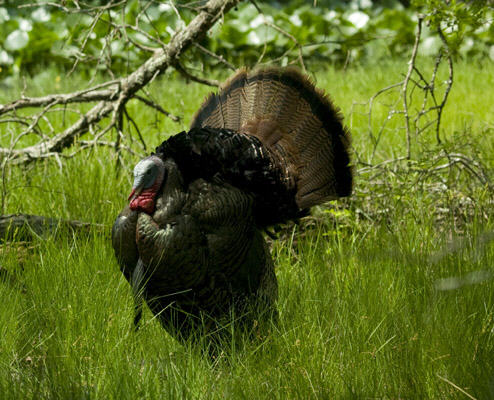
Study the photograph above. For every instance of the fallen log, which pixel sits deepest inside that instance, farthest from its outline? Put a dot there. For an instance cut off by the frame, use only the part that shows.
(26, 226)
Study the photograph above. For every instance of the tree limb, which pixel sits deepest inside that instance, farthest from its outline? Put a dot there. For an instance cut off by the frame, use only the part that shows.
(112, 100)
(209, 82)
(25, 226)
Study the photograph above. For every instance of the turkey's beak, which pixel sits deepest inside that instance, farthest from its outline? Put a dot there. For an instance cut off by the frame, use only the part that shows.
(135, 193)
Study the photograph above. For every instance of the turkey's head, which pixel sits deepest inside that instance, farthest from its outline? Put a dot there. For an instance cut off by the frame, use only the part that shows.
(148, 178)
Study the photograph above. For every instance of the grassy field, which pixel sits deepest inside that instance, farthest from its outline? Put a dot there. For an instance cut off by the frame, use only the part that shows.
(390, 295)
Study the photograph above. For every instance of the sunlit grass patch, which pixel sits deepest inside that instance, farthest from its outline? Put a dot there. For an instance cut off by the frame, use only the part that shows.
(389, 296)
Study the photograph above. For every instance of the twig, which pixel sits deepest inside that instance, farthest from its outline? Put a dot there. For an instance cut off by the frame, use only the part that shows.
(448, 85)
(369, 121)
(84, 144)
(136, 127)
(188, 75)
(256, 6)
(88, 34)
(157, 107)
(411, 65)
(74, 10)
(456, 387)
(24, 226)
(117, 121)
(83, 96)
(112, 100)
(292, 38)
(215, 56)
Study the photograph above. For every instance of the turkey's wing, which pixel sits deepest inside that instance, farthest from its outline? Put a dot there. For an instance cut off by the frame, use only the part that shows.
(123, 241)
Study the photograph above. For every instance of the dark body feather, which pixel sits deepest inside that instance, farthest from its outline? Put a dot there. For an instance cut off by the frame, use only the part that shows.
(262, 151)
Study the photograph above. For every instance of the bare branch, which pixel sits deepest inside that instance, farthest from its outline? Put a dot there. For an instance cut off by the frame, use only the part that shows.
(112, 101)
(215, 56)
(293, 39)
(136, 127)
(157, 107)
(188, 75)
(25, 226)
(449, 83)
(411, 65)
(82, 96)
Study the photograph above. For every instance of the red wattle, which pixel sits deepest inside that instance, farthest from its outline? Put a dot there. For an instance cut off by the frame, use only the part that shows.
(144, 202)
(134, 204)
(147, 205)
(146, 199)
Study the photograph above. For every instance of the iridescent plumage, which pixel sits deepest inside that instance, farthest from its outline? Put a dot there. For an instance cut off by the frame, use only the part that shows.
(262, 151)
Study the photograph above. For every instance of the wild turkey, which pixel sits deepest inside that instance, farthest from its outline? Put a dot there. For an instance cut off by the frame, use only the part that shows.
(262, 151)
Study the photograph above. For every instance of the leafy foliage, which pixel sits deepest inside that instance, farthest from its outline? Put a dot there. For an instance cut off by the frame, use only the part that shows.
(467, 26)
(330, 31)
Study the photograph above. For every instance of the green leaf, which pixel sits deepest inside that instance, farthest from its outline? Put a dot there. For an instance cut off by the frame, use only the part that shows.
(153, 13)
(25, 25)
(430, 46)
(4, 15)
(17, 40)
(41, 15)
(6, 58)
(359, 19)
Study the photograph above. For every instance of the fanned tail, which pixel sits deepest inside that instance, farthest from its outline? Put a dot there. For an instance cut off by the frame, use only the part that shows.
(296, 121)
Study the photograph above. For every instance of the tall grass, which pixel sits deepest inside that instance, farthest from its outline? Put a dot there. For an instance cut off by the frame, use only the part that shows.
(399, 304)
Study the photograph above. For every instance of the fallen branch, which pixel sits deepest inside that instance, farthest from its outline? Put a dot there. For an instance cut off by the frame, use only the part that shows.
(26, 226)
(112, 100)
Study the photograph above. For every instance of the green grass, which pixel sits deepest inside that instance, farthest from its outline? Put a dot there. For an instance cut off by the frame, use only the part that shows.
(363, 310)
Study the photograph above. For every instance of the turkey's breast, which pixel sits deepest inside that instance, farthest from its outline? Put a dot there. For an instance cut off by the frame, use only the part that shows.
(196, 247)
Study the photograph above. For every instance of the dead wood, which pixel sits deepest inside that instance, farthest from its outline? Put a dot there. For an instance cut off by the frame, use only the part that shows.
(26, 226)
(111, 96)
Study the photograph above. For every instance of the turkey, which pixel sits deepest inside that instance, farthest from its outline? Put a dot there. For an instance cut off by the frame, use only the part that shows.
(262, 151)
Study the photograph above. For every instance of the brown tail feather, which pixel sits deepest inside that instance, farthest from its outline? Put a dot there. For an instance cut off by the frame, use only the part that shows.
(292, 118)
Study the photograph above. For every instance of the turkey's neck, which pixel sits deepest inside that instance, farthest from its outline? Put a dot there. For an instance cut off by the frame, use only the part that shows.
(173, 182)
